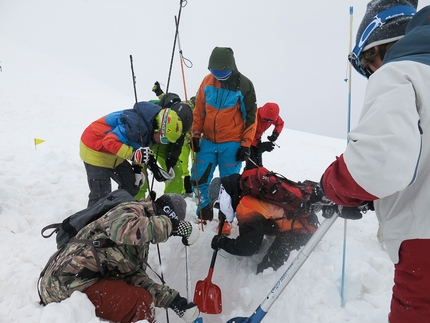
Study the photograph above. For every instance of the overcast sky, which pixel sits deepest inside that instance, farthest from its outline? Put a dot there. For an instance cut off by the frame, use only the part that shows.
(293, 51)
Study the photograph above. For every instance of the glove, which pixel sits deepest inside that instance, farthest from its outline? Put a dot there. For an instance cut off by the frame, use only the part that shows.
(171, 162)
(141, 155)
(266, 146)
(218, 242)
(243, 153)
(187, 230)
(317, 195)
(329, 210)
(187, 311)
(160, 174)
(157, 89)
(140, 178)
(273, 136)
(196, 145)
(366, 206)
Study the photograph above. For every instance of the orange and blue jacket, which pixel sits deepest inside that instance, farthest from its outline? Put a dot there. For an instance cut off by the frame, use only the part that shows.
(225, 111)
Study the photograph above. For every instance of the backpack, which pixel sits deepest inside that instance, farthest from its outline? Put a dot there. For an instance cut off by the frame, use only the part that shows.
(75, 222)
(276, 189)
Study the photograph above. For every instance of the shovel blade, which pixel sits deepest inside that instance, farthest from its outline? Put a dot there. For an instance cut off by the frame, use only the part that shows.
(207, 296)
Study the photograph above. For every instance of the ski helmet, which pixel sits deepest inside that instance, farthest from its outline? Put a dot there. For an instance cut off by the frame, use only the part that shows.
(169, 126)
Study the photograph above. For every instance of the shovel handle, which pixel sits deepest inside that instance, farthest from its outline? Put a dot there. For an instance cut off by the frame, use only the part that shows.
(221, 224)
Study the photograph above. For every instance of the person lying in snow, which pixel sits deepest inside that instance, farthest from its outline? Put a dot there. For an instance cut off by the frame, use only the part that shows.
(114, 272)
(257, 218)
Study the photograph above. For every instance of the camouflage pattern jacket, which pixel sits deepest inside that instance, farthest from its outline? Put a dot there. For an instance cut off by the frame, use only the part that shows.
(129, 228)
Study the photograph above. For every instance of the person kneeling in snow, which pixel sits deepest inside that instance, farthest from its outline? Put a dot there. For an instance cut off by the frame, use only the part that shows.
(257, 218)
(107, 260)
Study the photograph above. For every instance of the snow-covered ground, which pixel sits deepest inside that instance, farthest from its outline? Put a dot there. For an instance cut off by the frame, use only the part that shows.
(56, 79)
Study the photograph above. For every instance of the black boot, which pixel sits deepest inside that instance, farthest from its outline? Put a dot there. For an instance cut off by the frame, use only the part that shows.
(187, 184)
(207, 213)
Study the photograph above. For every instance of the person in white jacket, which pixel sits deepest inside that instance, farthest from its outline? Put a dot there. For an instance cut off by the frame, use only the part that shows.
(387, 159)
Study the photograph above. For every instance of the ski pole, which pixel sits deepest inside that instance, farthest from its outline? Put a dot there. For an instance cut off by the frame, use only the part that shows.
(174, 42)
(188, 279)
(286, 277)
(342, 285)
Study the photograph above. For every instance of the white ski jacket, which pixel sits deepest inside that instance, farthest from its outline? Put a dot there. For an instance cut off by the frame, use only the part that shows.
(388, 154)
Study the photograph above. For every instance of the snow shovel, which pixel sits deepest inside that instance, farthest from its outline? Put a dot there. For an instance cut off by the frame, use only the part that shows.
(207, 295)
(286, 277)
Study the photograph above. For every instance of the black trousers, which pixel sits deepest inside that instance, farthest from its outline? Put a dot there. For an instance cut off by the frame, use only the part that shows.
(99, 180)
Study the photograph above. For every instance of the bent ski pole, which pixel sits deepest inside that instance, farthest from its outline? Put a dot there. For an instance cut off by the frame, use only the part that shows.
(286, 277)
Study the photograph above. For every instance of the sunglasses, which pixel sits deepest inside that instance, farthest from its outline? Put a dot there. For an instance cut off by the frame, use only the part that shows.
(377, 21)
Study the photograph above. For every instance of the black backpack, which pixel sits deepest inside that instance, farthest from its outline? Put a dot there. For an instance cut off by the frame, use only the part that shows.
(72, 224)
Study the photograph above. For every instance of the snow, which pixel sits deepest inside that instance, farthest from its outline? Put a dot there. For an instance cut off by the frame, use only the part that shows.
(66, 64)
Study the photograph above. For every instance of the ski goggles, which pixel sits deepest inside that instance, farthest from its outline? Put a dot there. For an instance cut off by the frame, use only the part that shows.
(164, 121)
(377, 21)
(221, 75)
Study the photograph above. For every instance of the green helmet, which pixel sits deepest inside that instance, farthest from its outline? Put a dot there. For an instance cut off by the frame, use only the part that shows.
(169, 125)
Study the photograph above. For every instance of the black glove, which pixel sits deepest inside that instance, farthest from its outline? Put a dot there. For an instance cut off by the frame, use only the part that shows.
(189, 312)
(366, 206)
(317, 192)
(329, 210)
(160, 174)
(171, 162)
(196, 145)
(273, 136)
(266, 146)
(192, 102)
(243, 153)
(157, 89)
(218, 241)
(136, 169)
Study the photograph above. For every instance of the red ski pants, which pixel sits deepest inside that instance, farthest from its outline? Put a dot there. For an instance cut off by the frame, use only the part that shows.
(410, 302)
(117, 301)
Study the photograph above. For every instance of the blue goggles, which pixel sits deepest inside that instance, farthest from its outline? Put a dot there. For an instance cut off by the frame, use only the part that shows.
(377, 21)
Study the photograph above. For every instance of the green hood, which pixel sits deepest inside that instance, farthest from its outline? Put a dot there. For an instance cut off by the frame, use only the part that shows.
(222, 59)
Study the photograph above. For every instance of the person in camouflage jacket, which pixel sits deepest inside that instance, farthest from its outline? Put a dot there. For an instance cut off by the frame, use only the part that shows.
(115, 271)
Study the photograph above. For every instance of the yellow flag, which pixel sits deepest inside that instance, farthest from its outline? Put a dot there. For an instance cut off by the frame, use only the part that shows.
(37, 142)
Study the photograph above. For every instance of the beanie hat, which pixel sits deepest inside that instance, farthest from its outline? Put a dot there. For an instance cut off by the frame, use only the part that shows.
(168, 100)
(171, 204)
(269, 111)
(391, 30)
(169, 125)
